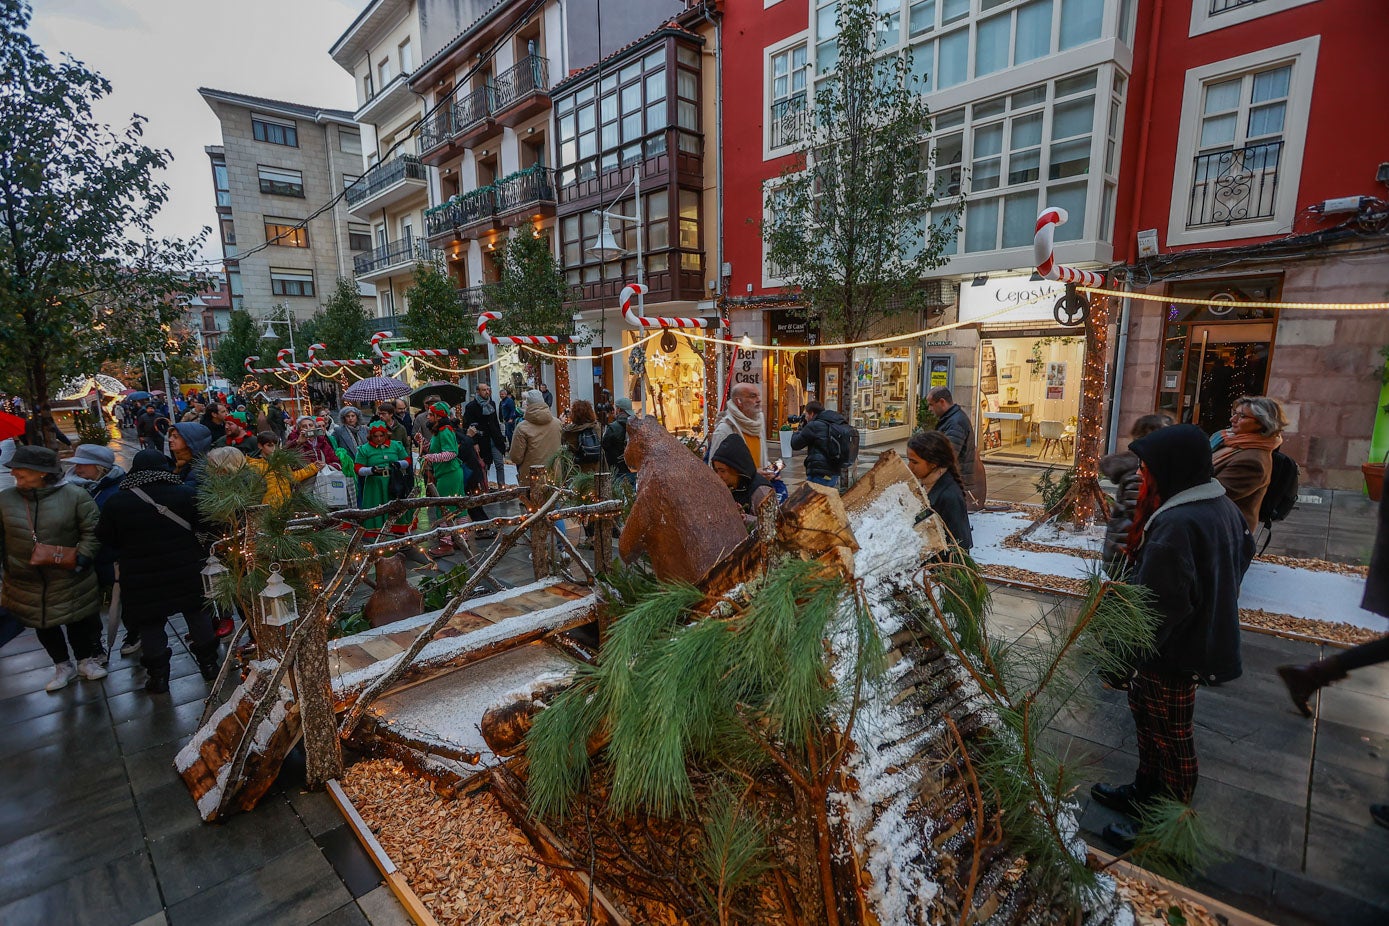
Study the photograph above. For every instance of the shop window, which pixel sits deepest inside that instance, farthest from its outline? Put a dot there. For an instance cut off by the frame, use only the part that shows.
(883, 398)
(671, 389)
(1029, 397)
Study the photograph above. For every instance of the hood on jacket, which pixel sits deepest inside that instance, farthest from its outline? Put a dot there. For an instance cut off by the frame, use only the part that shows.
(1178, 457)
(1115, 466)
(538, 413)
(147, 460)
(197, 436)
(733, 452)
(830, 416)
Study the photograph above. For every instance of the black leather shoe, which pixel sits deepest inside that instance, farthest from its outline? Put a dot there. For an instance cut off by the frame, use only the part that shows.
(1304, 681)
(1122, 836)
(1127, 799)
(158, 682)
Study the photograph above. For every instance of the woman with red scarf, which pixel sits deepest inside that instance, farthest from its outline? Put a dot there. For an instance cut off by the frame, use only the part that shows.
(1244, 452)
(1190, 548)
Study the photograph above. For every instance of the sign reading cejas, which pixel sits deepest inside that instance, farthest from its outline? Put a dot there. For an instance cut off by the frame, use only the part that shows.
(1024, 300)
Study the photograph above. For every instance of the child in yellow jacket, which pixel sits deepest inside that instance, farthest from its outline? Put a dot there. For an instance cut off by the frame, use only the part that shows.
(277, 488)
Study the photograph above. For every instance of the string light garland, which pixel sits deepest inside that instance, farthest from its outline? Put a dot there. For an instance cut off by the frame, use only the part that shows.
(1184, 300)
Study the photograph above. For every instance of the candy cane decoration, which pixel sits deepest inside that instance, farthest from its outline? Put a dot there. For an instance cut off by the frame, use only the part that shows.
(649, 321)
(317, 363)
(1045, 259)
(485, 317)
(250, 368)
(413, 351)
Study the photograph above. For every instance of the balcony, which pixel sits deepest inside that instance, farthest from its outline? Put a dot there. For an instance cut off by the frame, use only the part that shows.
(790, 120)
(526, 193)
(436, 131)
(465, 216)
(522, 91)
(473, 298)
(1234, 186)
(391, 323)
(385, 185)
(472, 115)
(393, 257)
(387, 102)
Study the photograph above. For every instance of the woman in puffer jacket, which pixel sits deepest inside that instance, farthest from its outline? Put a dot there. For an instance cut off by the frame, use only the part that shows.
(1122, 470)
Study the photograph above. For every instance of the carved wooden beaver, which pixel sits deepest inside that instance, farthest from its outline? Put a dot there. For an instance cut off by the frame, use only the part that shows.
(393, 598)
(684, 517)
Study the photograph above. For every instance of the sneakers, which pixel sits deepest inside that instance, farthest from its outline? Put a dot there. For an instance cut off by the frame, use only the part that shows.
(91, 669)
(63, 673)
(130, 645)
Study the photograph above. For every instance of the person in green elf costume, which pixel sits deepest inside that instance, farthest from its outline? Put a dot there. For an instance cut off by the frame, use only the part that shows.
(447, 471)
(373, 466)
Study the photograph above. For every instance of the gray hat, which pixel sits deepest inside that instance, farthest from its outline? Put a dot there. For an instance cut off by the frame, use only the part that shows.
(624, 403)
(94, 455)
(38, 459)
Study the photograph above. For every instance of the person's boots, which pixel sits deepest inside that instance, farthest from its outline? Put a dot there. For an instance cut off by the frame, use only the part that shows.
(443, 548)
(209, 663)
(1303, 681)
(158, 672)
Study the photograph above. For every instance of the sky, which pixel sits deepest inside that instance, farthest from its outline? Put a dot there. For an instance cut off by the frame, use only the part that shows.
(157, 53)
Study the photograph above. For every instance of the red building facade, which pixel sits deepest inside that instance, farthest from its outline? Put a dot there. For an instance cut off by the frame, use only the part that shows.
(1254, 171)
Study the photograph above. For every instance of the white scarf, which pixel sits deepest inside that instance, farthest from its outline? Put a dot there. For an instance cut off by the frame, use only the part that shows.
(742, 422)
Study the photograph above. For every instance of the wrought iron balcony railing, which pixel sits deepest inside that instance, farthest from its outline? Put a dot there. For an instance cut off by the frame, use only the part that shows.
(1225, 6)
(462, 211)
(405, 167)
(405, 250)
(532, 185)
(471, 108)
(1240, 185)
(790, 121)
(437, 129)
(530, 74)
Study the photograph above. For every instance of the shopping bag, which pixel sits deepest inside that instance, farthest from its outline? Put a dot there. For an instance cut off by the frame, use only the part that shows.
(330, 488)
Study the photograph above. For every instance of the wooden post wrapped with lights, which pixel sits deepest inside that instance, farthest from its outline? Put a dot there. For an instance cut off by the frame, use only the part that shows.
(538, 481)
(1084, 500)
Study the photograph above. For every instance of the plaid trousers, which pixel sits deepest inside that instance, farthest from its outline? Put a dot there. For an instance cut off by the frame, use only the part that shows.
(1163, 707)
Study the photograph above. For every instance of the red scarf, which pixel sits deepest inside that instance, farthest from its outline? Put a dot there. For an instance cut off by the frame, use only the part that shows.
(1148, 502)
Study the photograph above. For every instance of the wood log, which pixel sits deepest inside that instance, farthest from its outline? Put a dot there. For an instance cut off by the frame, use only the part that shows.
(551, 850)
(888, 471)
(538, 480)
(504, 727)
(322, 748)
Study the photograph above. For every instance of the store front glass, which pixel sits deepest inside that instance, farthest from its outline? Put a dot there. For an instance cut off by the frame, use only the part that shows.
(883, 380)
(1029, 398)
(1214, 353)
(665, 379)
(794, 375)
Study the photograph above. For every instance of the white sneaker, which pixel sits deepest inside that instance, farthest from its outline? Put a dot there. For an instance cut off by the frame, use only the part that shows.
(91, 669)
(63, 673)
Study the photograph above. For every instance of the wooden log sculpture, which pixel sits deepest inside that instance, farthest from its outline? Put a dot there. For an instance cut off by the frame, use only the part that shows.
(393, 598)
(504, 727)
(684, 517)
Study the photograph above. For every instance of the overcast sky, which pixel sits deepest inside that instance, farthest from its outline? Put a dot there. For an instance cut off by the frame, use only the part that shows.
(157, 53)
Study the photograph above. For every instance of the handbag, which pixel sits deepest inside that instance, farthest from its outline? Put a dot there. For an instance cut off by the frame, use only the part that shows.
(49, 554)
(330, 488)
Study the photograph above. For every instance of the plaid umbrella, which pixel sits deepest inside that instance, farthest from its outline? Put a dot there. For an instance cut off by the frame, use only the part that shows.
(375, 389)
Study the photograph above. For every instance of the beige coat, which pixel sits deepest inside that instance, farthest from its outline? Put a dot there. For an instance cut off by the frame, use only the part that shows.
(536, 441)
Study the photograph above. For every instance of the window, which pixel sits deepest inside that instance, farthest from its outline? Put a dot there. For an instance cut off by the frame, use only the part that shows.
(787, 116)
(291, 282)
(407, 60)
(350, 143)
(221, 183)
(383, 72)
(689, 229)
(359, 237)
(1081, 21)
(1209, 15)
(1240, 139)
(368, 91)
(286, 233)
(228, 232)
(279, 182)
(274, 131)
(349, 179)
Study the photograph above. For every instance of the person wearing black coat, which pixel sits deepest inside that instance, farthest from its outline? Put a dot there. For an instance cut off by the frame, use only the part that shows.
(1122, 470)
(161, 560)
(735, 466)
(1304, 681)
(952, 421)
(1190, 549)
(931, 458)
(821, 466)
(481, 412)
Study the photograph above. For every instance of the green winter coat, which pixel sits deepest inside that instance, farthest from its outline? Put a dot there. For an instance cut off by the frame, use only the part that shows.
(43, 596)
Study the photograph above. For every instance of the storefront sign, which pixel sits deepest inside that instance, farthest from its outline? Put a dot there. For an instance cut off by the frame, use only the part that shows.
(1007, 300)
(791, 327)
(747, 366)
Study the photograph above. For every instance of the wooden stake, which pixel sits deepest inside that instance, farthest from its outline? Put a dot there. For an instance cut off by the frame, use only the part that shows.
(537, 479)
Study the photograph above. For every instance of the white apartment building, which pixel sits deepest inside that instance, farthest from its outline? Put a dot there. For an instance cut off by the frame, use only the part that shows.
(387, 202)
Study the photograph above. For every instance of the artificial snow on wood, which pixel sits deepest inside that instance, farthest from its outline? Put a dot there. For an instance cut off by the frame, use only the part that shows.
(423, 620)
(448, 710)
(1304, 593)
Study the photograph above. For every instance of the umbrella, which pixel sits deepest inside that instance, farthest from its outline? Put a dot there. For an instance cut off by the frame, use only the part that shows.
(375, 389)
(449, 392)
(10, 426)
(140, 396)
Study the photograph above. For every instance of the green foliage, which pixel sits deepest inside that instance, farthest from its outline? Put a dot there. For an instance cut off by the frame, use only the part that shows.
(1052, 488)
(1037, 363)
(239, 341)
(1173, 840)
(349, 624)
(83, 278)
(735, 851)
(856, 222)
(926, 419)
(437, 317)
(437, 590)
(344, 328)
(88, 431)
(531, 295)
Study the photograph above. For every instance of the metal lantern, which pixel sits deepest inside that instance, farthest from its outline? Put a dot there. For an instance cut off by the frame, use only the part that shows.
(277, 604)
(212, 574)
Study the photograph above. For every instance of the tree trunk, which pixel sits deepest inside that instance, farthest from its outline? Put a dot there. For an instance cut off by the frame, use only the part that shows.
(322, 748)
(562, 380)
(538, 480)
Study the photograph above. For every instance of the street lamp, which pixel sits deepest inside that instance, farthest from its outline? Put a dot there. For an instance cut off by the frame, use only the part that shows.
(288, 322)
(605, 246)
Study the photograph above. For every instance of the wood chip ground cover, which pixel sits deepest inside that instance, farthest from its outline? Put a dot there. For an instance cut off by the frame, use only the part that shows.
(464, 858)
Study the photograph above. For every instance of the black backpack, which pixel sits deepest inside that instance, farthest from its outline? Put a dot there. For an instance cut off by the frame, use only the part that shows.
(1281, 496)
(590, 450)
(841, 444)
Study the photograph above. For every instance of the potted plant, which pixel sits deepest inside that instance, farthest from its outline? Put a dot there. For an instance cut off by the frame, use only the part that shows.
(785, 435)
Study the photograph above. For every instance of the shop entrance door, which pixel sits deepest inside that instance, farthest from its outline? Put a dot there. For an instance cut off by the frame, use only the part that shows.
(1224, 361)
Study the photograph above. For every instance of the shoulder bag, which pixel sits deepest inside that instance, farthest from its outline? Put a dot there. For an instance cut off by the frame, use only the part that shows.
(49, 554)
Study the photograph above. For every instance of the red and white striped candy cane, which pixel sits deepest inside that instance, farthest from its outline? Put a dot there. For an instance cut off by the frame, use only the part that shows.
(380, 336)
(315, 348)
(254, 369)
(1043, 256)
(282, 356)
(485, 317)
(376, 340)
(316, 362)
(655, 321)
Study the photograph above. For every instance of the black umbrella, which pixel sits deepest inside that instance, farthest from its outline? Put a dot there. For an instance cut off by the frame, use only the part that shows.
(448, 392)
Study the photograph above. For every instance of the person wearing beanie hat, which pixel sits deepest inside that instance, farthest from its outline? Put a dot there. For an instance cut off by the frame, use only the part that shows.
(537, 438)
(61, 604)
(1190, 548)
(152, 525)
(189, 442)
(236, 432)
(615, 443)
(94, 469)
